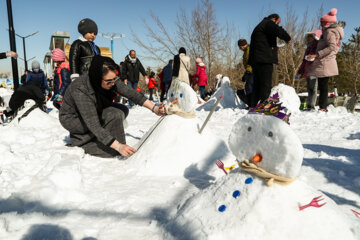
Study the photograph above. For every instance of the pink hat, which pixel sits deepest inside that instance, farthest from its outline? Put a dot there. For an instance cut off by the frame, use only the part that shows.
(330, 17)
(315, 33)
(198, 60)
(58, 55)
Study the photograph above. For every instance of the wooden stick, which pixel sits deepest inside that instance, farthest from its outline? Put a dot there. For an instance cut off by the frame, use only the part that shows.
(211, 112)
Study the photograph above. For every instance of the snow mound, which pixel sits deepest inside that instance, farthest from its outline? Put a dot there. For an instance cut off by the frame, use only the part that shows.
(288, 97)
(280, 148)
(37, 119)
(230, 100)
(175, 148)
(259, 212)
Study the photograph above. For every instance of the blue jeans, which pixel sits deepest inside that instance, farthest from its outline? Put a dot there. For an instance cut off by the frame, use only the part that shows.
(133, 85)
(202, 92)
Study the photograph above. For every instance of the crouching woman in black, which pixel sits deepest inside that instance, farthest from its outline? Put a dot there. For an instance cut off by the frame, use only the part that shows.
(95, 123)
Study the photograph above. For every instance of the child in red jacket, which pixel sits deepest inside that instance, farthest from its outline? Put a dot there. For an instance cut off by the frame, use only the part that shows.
(152, 84)
(201, 75)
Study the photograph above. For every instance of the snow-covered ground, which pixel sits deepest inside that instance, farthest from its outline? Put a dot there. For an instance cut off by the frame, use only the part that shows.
(51, 191)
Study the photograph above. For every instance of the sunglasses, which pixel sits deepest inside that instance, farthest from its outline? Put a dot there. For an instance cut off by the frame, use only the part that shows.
(111, 81)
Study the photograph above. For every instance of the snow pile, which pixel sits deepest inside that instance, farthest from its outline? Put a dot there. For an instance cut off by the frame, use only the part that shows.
(260, 212)
(280, 148)
(6, 95)
(175, 146)
(182, 96)
(230, 100)
(287, 97)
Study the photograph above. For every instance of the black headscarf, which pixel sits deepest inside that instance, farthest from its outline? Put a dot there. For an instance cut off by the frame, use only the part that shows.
(176, 67)
(104, 98)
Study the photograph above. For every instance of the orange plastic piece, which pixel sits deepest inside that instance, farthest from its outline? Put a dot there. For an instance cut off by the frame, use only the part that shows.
(257, 158)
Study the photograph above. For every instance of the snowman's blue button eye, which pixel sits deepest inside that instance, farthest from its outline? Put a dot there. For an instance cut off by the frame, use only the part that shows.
(181, 95)
(172, 95)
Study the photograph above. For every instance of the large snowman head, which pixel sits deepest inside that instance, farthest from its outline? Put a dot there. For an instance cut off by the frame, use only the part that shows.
(270, 137)
(183, 96)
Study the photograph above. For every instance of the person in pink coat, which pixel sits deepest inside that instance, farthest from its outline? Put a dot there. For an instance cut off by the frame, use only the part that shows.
(202, 77)
(325, 65)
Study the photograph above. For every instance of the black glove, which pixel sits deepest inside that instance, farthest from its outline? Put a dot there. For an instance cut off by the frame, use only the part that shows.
(245, 76)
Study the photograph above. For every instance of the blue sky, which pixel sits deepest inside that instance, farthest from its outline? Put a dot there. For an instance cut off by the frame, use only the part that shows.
(116, 16)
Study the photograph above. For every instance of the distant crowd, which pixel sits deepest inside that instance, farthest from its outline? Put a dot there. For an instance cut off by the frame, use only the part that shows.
(94, 94)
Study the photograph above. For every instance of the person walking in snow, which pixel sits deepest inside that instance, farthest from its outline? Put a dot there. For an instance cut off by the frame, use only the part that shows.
(311, 39)
(152, 85)
(38, 78)
(131, 71)
(325, 64)
(248, 76)
(200, 74)
(88, 112)
(83, 49)
(264, 53)
(181, 66)
(167, 77)
(62, 76)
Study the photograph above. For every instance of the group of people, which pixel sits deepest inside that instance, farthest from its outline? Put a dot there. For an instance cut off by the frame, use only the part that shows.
(318, 65)
(86, 86)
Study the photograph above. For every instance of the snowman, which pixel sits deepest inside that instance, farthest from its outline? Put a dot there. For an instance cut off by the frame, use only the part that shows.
(241, 206)
(173, 145)
(230, 100)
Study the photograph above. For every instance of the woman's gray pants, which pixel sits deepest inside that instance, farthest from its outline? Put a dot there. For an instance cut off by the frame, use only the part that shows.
(112, 120)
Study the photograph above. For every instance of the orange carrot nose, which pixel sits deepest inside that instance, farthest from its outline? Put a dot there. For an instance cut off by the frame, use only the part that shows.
(257, 158)
(175, 101)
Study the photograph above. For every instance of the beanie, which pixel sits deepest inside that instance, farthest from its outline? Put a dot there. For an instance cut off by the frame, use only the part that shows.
(182, 50)
(35, 65)
(330, 17)
(87, 26)
(315, 33)
(58, 55)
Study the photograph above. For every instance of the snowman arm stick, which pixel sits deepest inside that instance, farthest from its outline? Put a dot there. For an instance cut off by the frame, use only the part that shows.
(210, 114)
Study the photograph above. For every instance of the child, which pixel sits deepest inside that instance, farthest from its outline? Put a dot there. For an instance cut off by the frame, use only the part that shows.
(201, 75)
(311, 39)
(152, 84)
(62, 76)
(83, 49)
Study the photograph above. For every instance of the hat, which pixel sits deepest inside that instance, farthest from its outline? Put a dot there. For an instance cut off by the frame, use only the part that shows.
(58, 55)
(35, 65)
(330, 17)
(315, 33)
(182, 50)
(87, 26)
(198, 60)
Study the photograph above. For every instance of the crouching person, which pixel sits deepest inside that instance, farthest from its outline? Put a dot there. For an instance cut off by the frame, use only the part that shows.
(95, 123)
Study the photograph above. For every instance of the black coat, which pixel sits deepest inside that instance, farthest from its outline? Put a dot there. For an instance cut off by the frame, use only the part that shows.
(81, 54)
(26, 92)
(2, 55)
(131, 70)
(263, 46)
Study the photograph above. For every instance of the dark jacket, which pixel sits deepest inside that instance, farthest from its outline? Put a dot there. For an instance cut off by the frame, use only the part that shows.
(38, 79)
(263, 46)
(131, 70)
(2, 55)
(78, 113)
(26, 92)
(61, 79)
(167, 73)
(81, 54)
(305, 65)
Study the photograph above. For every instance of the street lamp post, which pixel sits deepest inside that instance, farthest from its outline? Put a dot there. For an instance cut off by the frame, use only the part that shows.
(14, 65)
(112, 37)
(23, 38)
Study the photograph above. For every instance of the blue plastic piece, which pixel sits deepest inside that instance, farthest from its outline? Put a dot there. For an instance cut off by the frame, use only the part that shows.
(222, 208)
(172, 95)
(236, 194)
(249, 180)
(181, 95)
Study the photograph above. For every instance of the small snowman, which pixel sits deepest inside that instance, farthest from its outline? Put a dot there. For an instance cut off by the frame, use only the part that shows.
(182, 99)
(230, 100)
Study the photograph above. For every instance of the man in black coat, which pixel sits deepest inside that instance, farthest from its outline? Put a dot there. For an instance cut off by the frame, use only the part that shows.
(264, 53)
